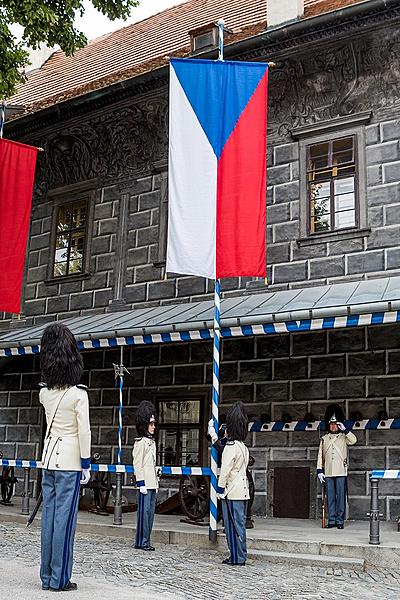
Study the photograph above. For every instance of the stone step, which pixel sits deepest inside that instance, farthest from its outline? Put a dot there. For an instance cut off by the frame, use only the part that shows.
(310, 560)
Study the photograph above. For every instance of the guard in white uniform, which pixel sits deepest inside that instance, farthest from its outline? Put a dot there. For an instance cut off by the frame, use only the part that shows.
(144, 464)
(332, 465)
(66, 453)
(233, 488)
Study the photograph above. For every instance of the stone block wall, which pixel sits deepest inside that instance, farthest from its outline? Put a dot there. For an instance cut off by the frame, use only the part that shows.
(295, 374)
(289, 265)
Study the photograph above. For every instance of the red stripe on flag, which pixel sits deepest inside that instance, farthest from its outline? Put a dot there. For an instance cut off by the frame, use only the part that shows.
(241, 193)
(17, 171)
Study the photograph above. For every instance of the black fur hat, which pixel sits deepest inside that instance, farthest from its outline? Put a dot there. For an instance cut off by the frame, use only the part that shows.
(237, 422)
(144, 413)
(333, 411)
(60, 360)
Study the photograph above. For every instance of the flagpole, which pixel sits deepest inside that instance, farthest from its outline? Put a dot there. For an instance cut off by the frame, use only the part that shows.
(3, 117)
(216, 362)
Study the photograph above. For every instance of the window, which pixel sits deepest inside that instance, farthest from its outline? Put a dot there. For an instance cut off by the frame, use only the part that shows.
(204, 37)
(180, 433)
(331, 177)
(70, 238)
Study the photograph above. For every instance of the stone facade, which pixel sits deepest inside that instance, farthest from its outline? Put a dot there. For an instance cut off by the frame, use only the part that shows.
(294, 374)
(115, 151)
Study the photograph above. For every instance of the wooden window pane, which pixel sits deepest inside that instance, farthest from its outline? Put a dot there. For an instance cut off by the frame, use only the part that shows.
(346, 218)
(189, 411)
(64, 218)
(60, 269)
(168, 412)
(319, 156)
(75, 266)
(78, 215)
(321, 223)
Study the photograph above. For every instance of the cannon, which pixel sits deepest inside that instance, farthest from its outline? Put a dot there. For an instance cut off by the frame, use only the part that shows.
(194, 496)
(7, 484)
(100, 483)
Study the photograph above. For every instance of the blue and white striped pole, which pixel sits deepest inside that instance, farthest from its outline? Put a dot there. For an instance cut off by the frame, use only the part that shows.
(119, 372)
(215, 403)
(216, 360)
(121, 385)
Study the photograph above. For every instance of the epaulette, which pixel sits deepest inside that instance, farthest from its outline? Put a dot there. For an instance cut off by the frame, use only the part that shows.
(138, 439)
(81, 386)
(230, 443)
(42, 385)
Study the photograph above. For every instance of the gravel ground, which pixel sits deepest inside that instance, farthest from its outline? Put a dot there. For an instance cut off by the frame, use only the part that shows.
(111, 568)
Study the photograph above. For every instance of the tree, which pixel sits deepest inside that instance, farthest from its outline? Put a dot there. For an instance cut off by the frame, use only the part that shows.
(44, 21)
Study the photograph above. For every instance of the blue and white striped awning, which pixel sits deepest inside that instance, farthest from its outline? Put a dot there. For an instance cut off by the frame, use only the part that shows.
(354, 304)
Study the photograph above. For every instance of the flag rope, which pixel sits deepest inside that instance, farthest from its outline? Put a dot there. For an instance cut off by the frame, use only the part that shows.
(215, 403)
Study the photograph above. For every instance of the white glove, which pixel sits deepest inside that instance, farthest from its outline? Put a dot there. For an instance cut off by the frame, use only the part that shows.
(321, 477)
(211, 431)
(341, 426)
(143, 489)
(85, 476)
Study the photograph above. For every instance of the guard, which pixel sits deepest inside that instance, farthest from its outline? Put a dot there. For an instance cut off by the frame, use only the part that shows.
(233, 488)
(144, 463)
(66, 453)
(333, 462)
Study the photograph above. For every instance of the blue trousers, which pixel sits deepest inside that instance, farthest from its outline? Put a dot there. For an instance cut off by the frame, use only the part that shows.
(336, 499)
(235, 533)
(60, 508)
(145, 517)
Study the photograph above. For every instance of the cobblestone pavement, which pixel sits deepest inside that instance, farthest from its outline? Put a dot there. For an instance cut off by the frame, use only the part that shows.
(189, 573)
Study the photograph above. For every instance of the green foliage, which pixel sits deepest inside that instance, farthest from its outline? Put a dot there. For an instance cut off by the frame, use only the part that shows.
(44, 21)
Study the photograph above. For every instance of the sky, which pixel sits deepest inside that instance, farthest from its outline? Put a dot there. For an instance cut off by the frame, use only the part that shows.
(94, 23)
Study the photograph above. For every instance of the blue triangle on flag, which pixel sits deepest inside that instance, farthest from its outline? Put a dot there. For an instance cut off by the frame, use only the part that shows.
(218, 92)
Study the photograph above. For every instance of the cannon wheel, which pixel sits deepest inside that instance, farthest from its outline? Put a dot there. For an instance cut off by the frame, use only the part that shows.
(194, 494)
(7, 484)
(101, 485)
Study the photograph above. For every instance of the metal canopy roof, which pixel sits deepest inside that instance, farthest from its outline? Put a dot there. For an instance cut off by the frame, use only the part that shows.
(336, 300)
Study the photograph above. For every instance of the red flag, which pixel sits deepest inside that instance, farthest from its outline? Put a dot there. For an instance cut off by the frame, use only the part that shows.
(17, 172)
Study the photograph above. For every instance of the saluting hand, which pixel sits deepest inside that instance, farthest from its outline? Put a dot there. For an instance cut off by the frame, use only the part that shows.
(341, 426)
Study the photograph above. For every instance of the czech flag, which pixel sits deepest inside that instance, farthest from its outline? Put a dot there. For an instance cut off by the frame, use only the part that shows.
(217, 168)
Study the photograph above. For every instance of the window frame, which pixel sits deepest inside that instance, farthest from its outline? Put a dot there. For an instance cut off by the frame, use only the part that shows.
(329, 131)
(181, 397)
(331, 179)
(63, 197)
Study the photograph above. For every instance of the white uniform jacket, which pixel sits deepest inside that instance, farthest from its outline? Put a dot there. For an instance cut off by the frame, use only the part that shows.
(67, 448)
(144, 463)
(232, 481)
(333, 456)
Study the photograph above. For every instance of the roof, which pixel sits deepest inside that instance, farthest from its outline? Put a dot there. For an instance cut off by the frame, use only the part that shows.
(144, 46)
(310, 306)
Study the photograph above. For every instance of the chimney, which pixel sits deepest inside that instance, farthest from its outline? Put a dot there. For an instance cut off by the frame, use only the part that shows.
(38, 57)
(283, 11)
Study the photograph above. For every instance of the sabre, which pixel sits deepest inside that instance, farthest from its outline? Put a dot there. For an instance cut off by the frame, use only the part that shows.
(232, 520)
(35, 510)
(323, 523)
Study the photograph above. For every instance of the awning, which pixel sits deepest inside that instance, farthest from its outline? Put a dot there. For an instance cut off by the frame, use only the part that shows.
(352, 304)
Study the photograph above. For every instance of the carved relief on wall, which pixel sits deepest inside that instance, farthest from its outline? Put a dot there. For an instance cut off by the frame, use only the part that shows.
(337, 81)
(111, 145)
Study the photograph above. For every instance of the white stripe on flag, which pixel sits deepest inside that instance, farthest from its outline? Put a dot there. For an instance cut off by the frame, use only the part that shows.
(192, 190)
